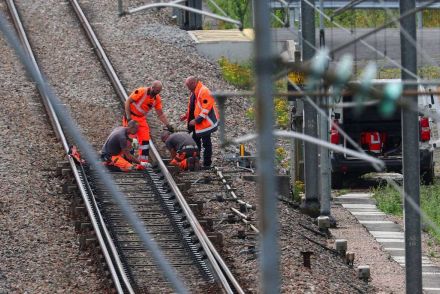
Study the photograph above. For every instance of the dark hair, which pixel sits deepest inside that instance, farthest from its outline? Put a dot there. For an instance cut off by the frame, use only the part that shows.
(165, 135)
(132, 124)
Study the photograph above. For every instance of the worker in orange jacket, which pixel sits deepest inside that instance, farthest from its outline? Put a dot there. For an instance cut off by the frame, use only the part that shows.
(183, 150)
(137, 106)
(201, 116)
(117, 147)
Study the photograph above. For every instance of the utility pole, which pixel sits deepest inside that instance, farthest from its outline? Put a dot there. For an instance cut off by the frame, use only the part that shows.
(411, 157)
(325, 166)
(264, 59)
(325, 187)
(310, 205)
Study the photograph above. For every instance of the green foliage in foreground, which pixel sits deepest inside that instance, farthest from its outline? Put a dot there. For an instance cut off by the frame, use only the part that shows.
(389, 201)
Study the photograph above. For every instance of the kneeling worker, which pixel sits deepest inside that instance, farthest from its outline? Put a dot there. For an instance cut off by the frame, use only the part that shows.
(116, 150)
(183, 149)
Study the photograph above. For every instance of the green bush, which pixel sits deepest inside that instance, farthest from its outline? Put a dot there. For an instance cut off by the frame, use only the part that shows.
(241, 76)
(236, 74)
(389, 201)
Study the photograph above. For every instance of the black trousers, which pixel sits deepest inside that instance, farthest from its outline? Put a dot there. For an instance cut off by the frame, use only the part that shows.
(207, 147)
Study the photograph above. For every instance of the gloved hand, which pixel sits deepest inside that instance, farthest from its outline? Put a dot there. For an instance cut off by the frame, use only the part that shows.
(170, 128)
(135, 144)
(138, 167)
(145, 164)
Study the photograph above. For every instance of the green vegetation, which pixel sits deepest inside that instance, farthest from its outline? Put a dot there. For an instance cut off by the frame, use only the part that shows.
(241, 10)
(352, 18)
(426, 72)
(281, 157)
(238, 9)
(297, 191)
(371, 18)
(240, 75)
(389, 201)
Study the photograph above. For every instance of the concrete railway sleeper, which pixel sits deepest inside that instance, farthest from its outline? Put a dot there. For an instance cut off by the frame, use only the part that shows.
(100, 223)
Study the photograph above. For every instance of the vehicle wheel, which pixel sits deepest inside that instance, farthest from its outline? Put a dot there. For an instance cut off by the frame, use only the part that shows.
(337, 180)
(428, 176)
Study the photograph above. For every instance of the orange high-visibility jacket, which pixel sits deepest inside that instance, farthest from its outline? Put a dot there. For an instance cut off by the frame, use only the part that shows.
(143, 102)
(204, 108)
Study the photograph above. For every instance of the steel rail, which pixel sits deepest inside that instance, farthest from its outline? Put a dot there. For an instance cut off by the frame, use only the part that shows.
(97, 221)
(221, 269)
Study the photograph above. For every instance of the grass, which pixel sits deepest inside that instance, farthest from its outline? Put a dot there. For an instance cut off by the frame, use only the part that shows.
(426, 72)
(389, 201)
(371, 18)
(352, 18)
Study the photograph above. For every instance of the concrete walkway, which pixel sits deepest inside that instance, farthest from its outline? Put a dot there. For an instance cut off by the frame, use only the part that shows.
(388, 234)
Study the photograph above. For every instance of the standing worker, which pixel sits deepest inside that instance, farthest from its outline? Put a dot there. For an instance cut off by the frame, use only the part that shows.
(116, 149)
(201, 116)
(137, 106)
(183, 149)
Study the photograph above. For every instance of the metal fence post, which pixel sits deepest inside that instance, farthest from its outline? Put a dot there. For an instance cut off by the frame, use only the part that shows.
(411, 157)
(310, 205)
(325, 165)
(269, 258)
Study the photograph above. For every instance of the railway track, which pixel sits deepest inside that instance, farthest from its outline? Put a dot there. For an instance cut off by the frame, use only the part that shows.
(156, 198)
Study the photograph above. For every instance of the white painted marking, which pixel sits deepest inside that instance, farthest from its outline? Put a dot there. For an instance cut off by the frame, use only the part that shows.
(394, 249)
(375, 222)
(390, 240)
(431, 273)
(431, 289)
(385, 234)
(367, 213)
(403, 263)
(399, 257)
(364, 206)
(356, 195)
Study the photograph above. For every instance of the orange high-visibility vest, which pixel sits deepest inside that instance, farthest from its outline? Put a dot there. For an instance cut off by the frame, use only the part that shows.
(143, 102)
(206, 108)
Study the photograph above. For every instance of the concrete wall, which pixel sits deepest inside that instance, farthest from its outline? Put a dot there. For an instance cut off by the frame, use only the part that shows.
(233, 51)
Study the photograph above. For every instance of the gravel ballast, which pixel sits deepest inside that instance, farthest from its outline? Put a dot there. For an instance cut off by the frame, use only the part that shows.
(142, 48)
(38, 247)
